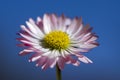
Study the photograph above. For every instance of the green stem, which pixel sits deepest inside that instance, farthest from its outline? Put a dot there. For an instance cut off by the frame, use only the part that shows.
(58, 72)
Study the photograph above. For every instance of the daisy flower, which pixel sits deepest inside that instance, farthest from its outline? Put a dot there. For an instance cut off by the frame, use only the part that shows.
(57, 40)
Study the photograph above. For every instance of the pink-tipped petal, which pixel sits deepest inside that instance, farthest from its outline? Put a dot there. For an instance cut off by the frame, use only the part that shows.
(61, 62)
(54, 21)
(54, 63)
(35, 57)
(41, 61)
(30, 38)
(74, 25)
(25, 51)
(39, 32)
(84, 59)
(29, 32)
(46, 23)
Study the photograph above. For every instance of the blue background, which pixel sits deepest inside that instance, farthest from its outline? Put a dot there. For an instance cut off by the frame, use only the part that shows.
(102, 15)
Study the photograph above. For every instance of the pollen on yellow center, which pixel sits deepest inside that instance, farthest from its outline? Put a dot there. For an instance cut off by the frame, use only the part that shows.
(56, 40)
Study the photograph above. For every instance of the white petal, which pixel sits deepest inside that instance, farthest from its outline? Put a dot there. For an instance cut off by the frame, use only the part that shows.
(54, 21)
(39, 32)
(77, 63)
(54, 63)
(25, 29)
(68, 62)
(25, 50)
(85, 59)
(79, 37)
(66, 52)
(74, 49)
(88, 45)
(57, 53)
(35, 58)
(38, 20)
(63, 53)
(92, 39)
(34, 29)
(43, 66)
(40, 48)
(30, 38)
(47, 24)
(31, 27)
(31, 21)
(78, 31)
(52, 55)
(89, 60)
(72, 27)
(28, 42)
(85, 37)
(62, 25)
(47, 53)
(67, 21)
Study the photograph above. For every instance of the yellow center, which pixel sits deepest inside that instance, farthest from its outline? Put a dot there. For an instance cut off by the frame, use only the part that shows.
(56, 40)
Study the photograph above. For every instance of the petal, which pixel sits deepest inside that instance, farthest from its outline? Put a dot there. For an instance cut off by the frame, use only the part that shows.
(30, 38)
(39, 20)
(40, 48)
(93, 38)
(93, 43)
(54, 21)
(54, 62)
(47, 23)
(86, 37)
(77, 63)
(40, 24)
(89, 60)
(34, 29)
(39, 32)
(75, 24)
(48, 53)
(48, 63)
(35, 57)
(23, 45)
(29, 32)
(67, 21)
(73, 61)
(61, 62)
(23, 32)
(63, 53)
(56, 53)
(31, 27)
(77, 33)
(88, 46)
(85, 31)
(25, 51)
(84, 59)
(41, 61)
(30, 43)
(75, 50)
(51, 62)
(61, 22)
(66, 52)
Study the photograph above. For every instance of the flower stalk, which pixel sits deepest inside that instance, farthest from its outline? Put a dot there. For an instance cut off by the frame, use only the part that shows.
(58, 73)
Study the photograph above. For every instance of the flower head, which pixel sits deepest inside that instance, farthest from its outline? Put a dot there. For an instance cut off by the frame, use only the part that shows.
(55, 40)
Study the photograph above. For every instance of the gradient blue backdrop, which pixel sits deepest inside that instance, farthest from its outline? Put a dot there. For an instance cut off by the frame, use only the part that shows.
(102, 15)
